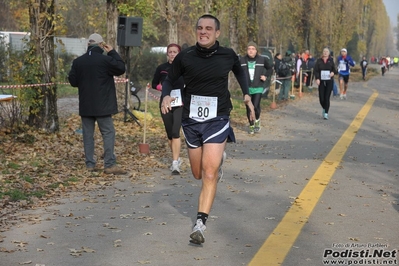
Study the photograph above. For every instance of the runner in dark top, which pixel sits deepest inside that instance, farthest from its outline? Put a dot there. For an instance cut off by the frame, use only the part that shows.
(172, 119)
(258, 68)
(324, 72)
(206, 112)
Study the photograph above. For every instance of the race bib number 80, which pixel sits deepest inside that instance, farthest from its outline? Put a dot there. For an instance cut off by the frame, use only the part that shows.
(203, 108)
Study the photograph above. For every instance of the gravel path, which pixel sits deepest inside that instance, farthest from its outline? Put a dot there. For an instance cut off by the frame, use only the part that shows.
(68, 106)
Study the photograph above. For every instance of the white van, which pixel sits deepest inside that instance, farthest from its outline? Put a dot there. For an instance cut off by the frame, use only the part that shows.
(159, 49)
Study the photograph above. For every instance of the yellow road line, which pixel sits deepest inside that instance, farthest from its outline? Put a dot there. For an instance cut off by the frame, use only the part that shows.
(279, 243)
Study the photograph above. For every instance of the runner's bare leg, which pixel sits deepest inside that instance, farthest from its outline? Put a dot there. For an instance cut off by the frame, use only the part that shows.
(205, 163)
(341, 86)
(175, 147)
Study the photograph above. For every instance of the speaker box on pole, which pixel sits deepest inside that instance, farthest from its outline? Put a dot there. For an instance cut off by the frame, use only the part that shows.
(130, 31)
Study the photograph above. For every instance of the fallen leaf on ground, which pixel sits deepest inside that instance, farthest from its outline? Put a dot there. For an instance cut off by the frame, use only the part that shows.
(88, 250)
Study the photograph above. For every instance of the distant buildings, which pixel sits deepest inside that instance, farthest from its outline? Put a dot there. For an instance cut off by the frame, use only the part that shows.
(17, 40)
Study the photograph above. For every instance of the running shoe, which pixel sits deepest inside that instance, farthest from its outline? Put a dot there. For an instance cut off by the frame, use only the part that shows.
(179, 163)
(220, 173)
(251, 130)
(323, 113)
(92, 169)
(175, 168)
(115, 170)
(197, 236)
(341, 96)
(344, 97)
(325, 116)
(257, 126)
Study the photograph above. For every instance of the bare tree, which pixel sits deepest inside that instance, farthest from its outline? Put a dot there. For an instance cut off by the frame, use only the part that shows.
(252, 24)
(170, 11)
(111, 38)
(44, 114)
(112, 20)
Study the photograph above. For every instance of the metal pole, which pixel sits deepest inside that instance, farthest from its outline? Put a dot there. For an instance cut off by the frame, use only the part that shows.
(127, 82)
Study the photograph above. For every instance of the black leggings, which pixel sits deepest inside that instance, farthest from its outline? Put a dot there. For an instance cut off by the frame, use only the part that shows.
(172, 122)
(255, 99)
(325, 89)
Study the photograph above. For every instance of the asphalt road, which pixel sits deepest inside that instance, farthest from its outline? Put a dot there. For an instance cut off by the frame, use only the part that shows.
(261, 215)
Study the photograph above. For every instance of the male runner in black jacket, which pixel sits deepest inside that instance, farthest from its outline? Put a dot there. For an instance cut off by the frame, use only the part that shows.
(206, 115)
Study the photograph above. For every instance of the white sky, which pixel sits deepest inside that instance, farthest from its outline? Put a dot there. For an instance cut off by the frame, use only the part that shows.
(392, 7)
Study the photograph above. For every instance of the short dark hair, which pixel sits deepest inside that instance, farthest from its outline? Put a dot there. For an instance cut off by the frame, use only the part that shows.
(217, 22)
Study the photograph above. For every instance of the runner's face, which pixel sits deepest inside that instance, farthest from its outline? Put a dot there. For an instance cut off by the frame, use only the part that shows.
(326, 53)
(206, 32)
(172, 52)
(251, 51)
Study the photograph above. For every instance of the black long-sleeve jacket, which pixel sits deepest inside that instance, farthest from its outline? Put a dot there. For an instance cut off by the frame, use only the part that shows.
(205, 73)
(262, 67)
(321, 64)
(160, 75)
(93, 73)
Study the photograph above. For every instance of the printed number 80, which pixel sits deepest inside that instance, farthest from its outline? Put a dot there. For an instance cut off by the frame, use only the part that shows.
(203, 112)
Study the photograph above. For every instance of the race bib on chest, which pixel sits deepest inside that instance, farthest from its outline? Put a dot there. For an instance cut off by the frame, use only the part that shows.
(203, 108)
(342, 65)
(177, 95)
(251, 70)
(325, 75)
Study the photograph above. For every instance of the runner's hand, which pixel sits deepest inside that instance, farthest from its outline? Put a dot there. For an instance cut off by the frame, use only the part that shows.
(247, 101)
(166, 104)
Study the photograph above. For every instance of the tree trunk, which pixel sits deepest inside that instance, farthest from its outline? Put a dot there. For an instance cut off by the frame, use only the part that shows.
(172, 31)
(233, 32)
(41, 14)
(112, 28)
(252, 25)
(172, 23)
(112, 21)
(307, 9)
(208, 6)
(233, 36)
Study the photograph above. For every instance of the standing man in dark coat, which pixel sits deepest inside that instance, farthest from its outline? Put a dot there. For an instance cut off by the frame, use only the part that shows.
(93, 73)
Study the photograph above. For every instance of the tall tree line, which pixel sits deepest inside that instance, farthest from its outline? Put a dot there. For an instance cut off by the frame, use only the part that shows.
(362, 26)
(285, 24)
